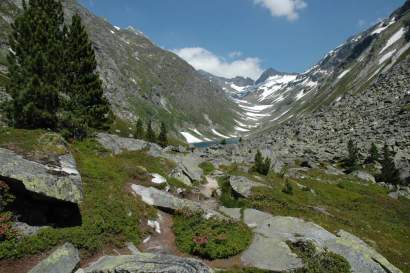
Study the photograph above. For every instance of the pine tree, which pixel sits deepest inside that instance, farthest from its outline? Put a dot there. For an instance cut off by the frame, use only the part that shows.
(162, 137)
(35, 67)
(353, 158)
(150, 134)
(139, 130)
(389, 172)
(261, 165)
(85, 105)
(258, 161)
(374, 154)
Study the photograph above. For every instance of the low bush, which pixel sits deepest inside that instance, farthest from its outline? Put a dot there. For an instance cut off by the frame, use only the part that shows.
(207, 167)
(210, 239)
(319, 262)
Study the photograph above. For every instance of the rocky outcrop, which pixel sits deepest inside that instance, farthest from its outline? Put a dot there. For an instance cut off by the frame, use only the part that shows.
(118, 145)
(61, 182)
(63, 260)
(269, 250)
(243, 186)
(145, 262)
(168, 202)
(365, 176)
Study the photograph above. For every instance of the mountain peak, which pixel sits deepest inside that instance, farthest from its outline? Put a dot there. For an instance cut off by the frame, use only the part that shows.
(269, 73)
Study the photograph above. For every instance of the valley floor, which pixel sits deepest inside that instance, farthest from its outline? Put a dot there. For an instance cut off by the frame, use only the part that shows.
(114, 214)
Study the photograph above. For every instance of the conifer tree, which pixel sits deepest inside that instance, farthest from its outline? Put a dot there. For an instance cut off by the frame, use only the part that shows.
(139, 130)
(162, 137)
(374, 154)
(36, 44)
(85, 105)
(258, 160)
(389, 172)
(150, 134)
(353, 158)
(261, 165)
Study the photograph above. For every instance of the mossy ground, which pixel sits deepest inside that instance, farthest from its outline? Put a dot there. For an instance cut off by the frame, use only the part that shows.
(338, 202)
(110, 214)
(210, 239)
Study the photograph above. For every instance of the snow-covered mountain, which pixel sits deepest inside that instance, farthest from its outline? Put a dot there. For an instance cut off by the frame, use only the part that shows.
(350, 68)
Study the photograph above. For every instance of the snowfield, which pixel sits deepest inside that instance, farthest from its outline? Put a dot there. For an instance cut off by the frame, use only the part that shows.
(190, 138)
(393, 39)
(344, 73)
(274, 84)
(387, 56)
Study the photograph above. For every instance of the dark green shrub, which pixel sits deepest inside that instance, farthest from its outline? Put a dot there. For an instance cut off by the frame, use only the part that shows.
(389, 173)
(228, 199)
(262, 165)
(324, 262)
(288, 188)
(207, 167)
(352, 162)
(210, 239)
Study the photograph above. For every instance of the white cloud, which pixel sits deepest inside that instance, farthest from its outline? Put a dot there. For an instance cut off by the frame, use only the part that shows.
(235, 54)
(279, 8)
(203, 59)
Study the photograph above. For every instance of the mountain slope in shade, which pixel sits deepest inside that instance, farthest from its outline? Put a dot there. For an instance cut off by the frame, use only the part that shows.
(141, 79)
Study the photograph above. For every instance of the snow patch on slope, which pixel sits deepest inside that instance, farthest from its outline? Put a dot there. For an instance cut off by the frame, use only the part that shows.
(393, 39)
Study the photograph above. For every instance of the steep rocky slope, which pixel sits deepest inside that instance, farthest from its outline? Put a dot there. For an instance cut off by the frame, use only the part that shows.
(141, 79)
(353, 66)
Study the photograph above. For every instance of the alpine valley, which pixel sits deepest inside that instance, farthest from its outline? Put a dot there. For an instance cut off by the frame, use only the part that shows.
(293, 172)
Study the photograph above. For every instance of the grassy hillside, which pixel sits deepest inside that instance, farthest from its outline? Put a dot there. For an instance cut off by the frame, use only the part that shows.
(335, 202)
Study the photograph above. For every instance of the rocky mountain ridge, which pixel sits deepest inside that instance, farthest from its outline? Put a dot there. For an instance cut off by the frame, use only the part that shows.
(351, 67)
(140, 79)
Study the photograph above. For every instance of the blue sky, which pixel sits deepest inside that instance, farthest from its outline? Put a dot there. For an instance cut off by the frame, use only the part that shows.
(243, 37)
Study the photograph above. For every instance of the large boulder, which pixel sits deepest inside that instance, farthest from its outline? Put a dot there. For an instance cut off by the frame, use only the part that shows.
(168, 202)
(118, 145)
(61, 181)
(178, 173)
(278, 230)
(146, 262)
(365, 176)
(63, 260)
(187, 165)
(243, 186)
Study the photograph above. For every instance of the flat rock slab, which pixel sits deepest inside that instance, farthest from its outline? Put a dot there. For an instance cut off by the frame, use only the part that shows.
(118, 145)
(64, 260)
(278, 230)
(167, 202)
(61, 182)
(145, 262)
(270, 254)
(243, 186)
(233, 213)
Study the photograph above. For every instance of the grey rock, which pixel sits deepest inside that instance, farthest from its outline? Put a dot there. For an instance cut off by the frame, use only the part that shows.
(63, 260)
(234, 213)
(168, 202)
(27, 230)
(178, 173)
(62, 182)
(243, 186)
(145, 262)
(117, 144)
(270, 254)
(279, 230)
(189, 165)
(365, 176)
